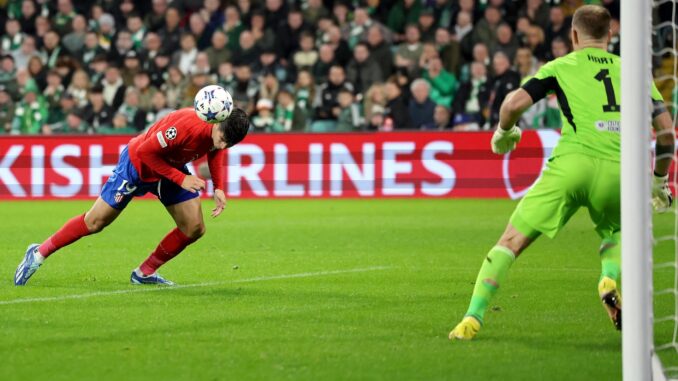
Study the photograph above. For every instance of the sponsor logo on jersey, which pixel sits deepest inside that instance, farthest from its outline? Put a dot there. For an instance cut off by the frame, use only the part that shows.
(608, 125)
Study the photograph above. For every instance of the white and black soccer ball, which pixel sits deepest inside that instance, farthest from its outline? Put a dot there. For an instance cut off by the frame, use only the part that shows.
(213, 104)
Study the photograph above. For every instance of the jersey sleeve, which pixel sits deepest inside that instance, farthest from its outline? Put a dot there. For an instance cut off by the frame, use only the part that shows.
(215, 162)
(152, 150)
(543, 82)
(658, 105)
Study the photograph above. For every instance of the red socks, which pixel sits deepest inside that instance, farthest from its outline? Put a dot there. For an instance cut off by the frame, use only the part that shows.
(169, 247)
(72, 231)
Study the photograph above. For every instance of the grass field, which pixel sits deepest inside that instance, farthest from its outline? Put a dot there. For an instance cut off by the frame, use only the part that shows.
(302, 290)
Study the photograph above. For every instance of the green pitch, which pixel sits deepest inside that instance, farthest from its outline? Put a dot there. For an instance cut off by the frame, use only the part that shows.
(302, 290)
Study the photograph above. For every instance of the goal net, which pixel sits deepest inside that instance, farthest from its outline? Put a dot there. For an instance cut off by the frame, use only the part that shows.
(649, 241)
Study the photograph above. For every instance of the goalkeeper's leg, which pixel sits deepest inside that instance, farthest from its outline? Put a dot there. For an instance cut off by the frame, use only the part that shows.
(491, 276)
(608, 290)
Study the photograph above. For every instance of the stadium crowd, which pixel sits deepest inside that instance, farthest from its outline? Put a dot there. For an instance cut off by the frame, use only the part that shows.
(311, 65)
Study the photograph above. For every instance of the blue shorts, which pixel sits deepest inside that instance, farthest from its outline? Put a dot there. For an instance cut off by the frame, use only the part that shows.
(125, 184)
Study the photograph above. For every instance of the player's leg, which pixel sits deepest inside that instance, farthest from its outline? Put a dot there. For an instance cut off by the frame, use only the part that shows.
(187, 214)
(545, 209)
(604, 209)
(99, 216)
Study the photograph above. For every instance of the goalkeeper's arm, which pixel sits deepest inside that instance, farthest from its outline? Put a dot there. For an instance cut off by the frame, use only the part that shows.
(514, 105)
(664, 151)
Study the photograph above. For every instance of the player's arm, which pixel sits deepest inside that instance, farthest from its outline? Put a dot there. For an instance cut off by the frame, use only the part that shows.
(662, 197)
(150, 153)
(507, 135)
(215, 162)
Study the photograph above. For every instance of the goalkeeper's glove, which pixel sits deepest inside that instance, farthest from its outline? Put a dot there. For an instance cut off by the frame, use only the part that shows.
(504, 141)
(662, 198)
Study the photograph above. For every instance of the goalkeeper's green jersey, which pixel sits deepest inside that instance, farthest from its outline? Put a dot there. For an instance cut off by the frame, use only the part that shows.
(587, 84)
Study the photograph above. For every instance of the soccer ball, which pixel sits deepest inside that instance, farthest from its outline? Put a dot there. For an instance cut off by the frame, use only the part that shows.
(213, 104)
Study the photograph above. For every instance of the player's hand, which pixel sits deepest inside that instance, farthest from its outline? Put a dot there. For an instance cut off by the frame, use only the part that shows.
(220, 201)
(193, 183)
(504, 141)
(662, 198)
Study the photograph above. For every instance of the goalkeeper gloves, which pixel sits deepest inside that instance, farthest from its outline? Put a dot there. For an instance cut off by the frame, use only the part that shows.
(504, 141)
(662, 198)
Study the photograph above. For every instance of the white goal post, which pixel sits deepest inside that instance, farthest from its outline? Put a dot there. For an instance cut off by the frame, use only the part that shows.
(636, 209)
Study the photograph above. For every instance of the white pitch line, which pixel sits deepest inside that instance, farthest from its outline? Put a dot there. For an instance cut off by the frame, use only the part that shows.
(195, 285)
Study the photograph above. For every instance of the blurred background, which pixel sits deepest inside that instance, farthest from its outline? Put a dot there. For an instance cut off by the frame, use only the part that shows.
(115, 67)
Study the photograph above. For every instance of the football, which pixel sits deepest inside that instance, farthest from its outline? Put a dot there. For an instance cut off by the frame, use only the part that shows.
(213, 104)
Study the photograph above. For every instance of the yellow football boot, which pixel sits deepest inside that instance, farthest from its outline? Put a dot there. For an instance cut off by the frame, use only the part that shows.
(466, 329)
(611, 298)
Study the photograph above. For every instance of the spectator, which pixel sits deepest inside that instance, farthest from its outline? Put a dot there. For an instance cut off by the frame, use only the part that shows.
(79, 88)
(245, 89)
(106, 30)
(263, 121)
(427, 25)
(307, 56)
(75, 41)
(51, 49)
(305, 92)
(226, 78)
(443, 84)
(342, 53)
(480, 54)
(196, 82)
(559, 26)
(405, 12)
(131, 66)
(114, 88)
(463, 26)
(6, 111)
(137, 31)
(441, 118)
(248, 51)
(155, 19)
(525, 63)
(23, 54)
(218, 52)
(408, 52)
(53, 91)
(121, 126)
(245, 8)
(380, 51)
(122, 46)
(30, 113)
(64, 16)
(97, 113)
(275, 13)
(263, 34)
(90, 48)
(614, 46)
(349, 118)
(73, 124)
(97, 69)
(283, 117)
(12, 40)
(559, 48)
(314, 11)
(421, 106)
(505, 80)
(535, 41)
(340, 13)
(448, 50)
(42, 26)
(170, 33)
(56, 115)
(142, 82)
(485, 30)
(268, 62)
(37, 71)
(136, 117)
(202, 66)
(326, 103)
(28, 16)
(356, 30)
(442, 12)
(288, 35)
(470, 103)
(396, 108)
(198, 28)
(185, 58)
(269, 86)
(506, 41)
(232, 26)
(325, 61)
(174, 87)
(158, 108)
(376, 120)
(362, 72)
(374, 96)
(537, 11)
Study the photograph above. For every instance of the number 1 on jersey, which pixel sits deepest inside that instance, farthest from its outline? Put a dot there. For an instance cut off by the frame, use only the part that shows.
(604, 76)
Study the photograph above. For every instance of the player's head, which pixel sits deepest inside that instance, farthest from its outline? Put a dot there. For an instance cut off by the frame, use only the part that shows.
(231, 131)
(590, 26)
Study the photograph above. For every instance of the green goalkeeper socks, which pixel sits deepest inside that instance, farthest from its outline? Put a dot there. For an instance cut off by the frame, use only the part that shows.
(610, 259)
(491, 276)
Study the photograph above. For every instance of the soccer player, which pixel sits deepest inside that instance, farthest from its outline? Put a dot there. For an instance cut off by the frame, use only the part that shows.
(154, 162)
(584, 168)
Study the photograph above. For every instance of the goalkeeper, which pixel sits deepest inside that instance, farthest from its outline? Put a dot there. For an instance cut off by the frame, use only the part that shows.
(584, 168)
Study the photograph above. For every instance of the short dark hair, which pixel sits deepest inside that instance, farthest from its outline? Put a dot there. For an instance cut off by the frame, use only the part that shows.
(235, 127)
(592, 20)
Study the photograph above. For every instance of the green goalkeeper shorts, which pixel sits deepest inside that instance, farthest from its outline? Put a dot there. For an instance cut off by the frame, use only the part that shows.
(568, 183)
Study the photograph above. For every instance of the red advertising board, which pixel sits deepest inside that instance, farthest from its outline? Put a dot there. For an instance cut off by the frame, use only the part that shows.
(400, 164)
